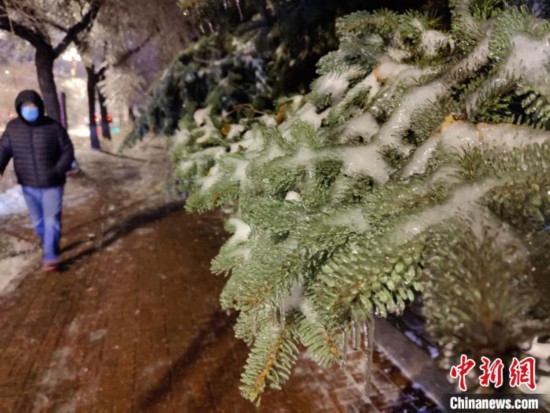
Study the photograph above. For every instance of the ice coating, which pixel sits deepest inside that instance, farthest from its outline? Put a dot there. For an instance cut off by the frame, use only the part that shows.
(461, 135)
(400, 120)
(463, 202)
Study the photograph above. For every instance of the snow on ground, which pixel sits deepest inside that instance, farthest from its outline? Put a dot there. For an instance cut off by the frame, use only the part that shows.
(12, 201)
(16, 259)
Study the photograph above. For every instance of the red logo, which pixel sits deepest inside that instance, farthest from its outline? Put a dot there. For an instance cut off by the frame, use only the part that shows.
(462, 370)
(521, 372)
(492, 372)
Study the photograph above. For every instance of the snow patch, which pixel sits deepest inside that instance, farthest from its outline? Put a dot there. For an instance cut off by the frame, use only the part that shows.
(239, 173)
(388, 69)
(432, 41)
(235, 130)
(251, 142)
(59, 370)
(365, 160)
(214, 175)
(242, 231)
(509, 135)
(293, 196)
(97, 335)
(529, 60)
(200, 116)
(371, 82)
(364, 125)
(477, 58)
(295, 299)
(400, 120)
(332, 84)
(463, 202)
(353, 219)
(457, 135)
(12, 201)
(14, 269)
(308, 113)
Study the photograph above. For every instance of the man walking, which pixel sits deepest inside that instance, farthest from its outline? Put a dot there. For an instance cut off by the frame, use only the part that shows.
(42, 153)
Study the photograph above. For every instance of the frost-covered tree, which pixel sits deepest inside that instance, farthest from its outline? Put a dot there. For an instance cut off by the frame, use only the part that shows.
(14, 50)
(50, 27)
(280, 41)
(123, 53)
(417, 166)
(222, 72)
(291, 35)
(139, 39)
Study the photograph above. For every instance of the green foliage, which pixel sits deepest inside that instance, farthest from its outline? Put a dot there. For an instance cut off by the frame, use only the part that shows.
(525, 204)
(478, 294)
(412, 167)
(273, 355)
(319, 341)
(205, 75)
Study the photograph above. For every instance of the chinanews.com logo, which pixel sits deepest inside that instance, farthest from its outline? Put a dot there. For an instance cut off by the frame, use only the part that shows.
(492, 374)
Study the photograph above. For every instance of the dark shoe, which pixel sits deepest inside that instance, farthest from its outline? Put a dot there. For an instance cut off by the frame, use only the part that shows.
(50, 267)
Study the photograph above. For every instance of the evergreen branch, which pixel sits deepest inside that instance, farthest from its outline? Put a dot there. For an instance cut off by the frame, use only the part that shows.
(270, 360)
(320, 342)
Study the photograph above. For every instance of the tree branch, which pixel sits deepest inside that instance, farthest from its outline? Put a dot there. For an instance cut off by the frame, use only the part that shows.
(26, 33)
(55, 25)
(124, 58)
(79, 27)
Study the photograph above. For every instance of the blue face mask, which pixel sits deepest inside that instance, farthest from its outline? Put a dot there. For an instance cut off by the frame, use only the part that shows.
(29, 113)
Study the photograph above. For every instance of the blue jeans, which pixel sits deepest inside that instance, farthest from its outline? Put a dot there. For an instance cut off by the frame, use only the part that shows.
(44, 206)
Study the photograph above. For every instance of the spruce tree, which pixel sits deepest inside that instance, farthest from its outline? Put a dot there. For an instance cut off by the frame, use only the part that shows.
(416, 166)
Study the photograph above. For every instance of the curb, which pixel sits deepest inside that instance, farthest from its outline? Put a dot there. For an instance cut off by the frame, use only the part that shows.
(414, 363)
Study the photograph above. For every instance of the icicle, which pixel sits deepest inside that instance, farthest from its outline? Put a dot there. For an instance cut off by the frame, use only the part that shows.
(282, 310)
(344, 349)
(274, 313)
(254, 324)
(225, 4)
(211, 27)
(358, 335)
(369, 348)
(354, 334)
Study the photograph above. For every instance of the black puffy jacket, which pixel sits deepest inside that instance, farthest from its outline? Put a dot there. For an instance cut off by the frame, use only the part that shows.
(42, 151)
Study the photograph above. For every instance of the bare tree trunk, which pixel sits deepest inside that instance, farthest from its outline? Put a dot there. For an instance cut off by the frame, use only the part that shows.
(44, 61)
(92, 84)
(105, 127)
